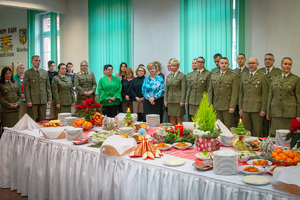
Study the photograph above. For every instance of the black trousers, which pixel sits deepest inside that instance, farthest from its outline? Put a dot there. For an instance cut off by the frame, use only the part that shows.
(110, 111)
(153, 109)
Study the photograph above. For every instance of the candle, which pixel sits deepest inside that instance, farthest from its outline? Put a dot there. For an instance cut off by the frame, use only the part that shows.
(128, 109)
(241, 121)
(180, 127)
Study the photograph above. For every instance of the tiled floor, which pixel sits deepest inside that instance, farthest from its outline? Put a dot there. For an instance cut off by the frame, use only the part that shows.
(7, 194)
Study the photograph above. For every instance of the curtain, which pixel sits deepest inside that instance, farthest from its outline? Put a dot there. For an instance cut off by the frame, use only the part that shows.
(31, 15)
(53, 33)
(205, 29)
(240, 26)
(109, 34)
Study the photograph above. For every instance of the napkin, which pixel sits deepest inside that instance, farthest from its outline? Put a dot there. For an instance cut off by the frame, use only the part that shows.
(119, 143)
(288, 175)
(146, 149)
(52, 132)
(224, 129)
(26, 123)
(280, 139)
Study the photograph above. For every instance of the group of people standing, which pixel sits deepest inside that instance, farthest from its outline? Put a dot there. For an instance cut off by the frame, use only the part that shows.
(257, 95)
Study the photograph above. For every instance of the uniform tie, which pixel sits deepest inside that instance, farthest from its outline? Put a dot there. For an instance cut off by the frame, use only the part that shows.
(268, 70)
(251, 74)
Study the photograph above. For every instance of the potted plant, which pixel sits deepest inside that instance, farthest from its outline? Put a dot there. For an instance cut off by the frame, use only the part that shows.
(205, 127)
(88, 108)
(294, 134)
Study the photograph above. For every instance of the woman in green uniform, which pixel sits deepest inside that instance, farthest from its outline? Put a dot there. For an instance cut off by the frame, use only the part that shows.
(10, 98)
(109, 91)
(85, 83)
(175, 93)
(63, 93)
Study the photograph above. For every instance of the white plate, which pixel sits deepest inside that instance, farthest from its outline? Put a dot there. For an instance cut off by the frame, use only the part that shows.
(268, 169)
(182, 148)
(200, 155)
(164, 149)
(241, 169)
(174, 162)
(250, 162)
(256, 180)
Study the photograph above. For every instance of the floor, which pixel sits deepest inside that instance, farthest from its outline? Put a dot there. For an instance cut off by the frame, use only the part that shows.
(7, 194)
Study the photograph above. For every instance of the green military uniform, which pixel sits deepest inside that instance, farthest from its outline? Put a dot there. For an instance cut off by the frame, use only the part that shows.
(253, 97)
(223, 94)
(239, 71)
(63, 93)
(269, 76)
(283, 102)
(37, 90)
(215, 70)
(197, 85)
(9, 93)
(175, 93)
(85, 82)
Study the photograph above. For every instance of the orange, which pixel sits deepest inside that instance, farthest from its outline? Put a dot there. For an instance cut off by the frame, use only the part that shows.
(278, 151)
(274, 154)
(287, 152)
(277, 157)
(291, 155)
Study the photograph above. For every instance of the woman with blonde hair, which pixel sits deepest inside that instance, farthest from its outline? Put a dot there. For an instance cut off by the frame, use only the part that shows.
(19, 77)
(175, 93)
(136, 91)
(153, 90)
(85, 83)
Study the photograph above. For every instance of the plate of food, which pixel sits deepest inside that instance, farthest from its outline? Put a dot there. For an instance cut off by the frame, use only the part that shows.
(182, 145)
(256, 180)
(252, 143)
(163, 146)
(204, 167)
(173, 162)
(250, 169)
(205, 155)
(259, 162)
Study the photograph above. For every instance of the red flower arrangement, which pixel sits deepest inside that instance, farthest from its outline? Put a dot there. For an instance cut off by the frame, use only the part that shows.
(88, 108)
(294, 134)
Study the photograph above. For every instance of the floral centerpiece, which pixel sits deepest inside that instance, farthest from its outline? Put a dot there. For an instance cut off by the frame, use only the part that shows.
(294, 134)
(205, 120)
(88, 108)
(169, 135)
(241, 134)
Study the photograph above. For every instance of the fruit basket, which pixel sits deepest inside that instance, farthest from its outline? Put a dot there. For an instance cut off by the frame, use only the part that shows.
(285, 162)
(85, 128)
(285, 158)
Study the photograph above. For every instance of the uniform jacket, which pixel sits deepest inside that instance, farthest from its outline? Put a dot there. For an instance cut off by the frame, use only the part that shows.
(239, 72)
(271, 75)
(37, 86)
(215, 70)
(197, 84)
(62, 89)
(9, 93)
(284, 96)
(253, 93)
(85, 83)
(175, 88)
(223, 91)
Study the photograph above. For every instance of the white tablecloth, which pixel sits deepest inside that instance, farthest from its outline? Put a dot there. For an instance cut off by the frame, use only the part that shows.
(57, 169)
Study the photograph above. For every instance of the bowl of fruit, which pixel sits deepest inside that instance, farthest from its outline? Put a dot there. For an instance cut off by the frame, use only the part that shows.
(85, 125)
(285, 157)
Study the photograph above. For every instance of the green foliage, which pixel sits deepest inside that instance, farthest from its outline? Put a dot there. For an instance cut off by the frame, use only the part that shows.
(213, 134)
(295, 139)
(206, 116)
(173, 137)
(97, 145)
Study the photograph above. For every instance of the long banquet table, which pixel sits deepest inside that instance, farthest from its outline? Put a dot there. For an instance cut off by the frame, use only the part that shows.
(57, 169)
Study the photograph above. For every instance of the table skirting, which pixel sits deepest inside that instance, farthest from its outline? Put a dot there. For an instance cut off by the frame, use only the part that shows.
(57, 169)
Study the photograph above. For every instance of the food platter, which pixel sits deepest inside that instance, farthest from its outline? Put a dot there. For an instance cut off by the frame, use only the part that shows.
(173, 162)
(202, 156)
(252, 162)
(182, 147)
(164, 148)
(242, 169)
(256, 180)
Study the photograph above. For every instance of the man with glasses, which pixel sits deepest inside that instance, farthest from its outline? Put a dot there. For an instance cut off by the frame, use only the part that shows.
(198, 84)
(253, 98)
(271, 72)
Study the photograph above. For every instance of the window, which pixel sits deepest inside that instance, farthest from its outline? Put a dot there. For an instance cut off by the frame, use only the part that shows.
(46, 51)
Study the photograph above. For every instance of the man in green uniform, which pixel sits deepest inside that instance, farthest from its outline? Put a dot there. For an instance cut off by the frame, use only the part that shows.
(253, 98)
(241, 60)
(63, 92)
(223, 92)
(284, 98)
(217, 58)
(188, 81)
(199, 82)
(271, 72)
(37, 90)
(85, 83)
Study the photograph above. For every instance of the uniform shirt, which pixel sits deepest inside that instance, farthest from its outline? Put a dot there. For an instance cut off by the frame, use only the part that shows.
(153, 88)
(9, 93)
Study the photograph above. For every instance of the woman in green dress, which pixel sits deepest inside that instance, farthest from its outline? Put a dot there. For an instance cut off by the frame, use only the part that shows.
(63, 93)
(10, 98)
(175, 93)
(109, 92)
(85, 83)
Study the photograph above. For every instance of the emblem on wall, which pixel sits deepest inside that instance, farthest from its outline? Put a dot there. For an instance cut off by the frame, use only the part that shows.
(6, 44)
(23, 35)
